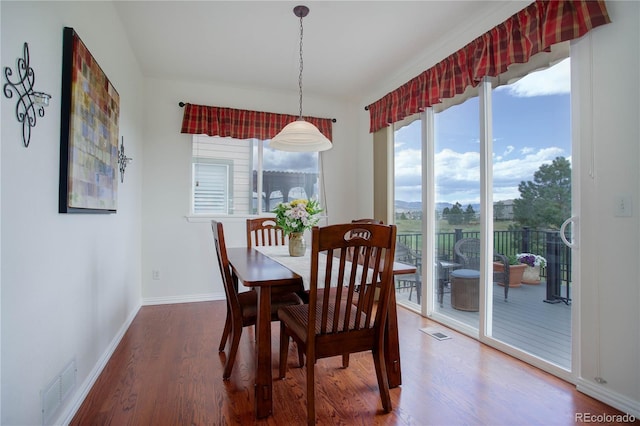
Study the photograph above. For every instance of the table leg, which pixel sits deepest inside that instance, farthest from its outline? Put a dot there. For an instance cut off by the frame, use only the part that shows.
(263, 354)
(392, 344)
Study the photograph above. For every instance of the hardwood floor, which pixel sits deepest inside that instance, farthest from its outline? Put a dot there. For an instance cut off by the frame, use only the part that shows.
(167, 371)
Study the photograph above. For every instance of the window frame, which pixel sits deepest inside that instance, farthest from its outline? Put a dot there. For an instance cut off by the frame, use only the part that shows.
(256, 155)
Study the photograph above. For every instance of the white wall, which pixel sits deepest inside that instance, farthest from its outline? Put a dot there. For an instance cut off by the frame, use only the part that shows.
(608, 68)
(70, 283)
(181, 250)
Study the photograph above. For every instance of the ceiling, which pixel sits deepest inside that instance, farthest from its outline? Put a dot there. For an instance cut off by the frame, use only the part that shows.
(350, 47)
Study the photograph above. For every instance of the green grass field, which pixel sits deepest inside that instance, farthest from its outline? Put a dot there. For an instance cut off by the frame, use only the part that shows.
(413, 226)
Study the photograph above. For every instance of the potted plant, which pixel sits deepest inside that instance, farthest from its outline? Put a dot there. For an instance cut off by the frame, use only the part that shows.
(294, 218)
(532, 271)
(516, 270)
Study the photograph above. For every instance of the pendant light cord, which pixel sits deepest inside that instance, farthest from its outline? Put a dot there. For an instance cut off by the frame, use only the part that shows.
(301, 66)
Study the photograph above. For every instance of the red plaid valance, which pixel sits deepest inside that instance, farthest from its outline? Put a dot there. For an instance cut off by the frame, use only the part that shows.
(532, 30)
(241, 124)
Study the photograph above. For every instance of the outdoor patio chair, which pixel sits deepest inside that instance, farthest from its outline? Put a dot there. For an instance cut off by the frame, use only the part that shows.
(466, 290)
(406, 255)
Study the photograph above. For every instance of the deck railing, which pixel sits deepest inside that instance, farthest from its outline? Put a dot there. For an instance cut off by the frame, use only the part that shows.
(547, 243)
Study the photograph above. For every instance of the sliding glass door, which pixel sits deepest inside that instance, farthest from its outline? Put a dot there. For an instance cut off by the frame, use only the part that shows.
(497, 186)
(456, 188)
(531, 199)
(408, 212)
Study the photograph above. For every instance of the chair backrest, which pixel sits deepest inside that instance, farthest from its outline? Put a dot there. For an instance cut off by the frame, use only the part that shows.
(263, 231)
(467, 251)
(501, 276)
(225, 269)
(405, 254)
(348, 307)
(354, 233)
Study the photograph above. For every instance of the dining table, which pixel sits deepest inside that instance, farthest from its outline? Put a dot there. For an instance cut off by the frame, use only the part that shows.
(266, 267)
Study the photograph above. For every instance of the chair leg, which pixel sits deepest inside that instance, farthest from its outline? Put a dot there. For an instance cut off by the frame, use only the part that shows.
(284, 351)
(506, 290)
(225, 333)
(236, 332)
(311, 391)
(300, 355)
(383, 382)
(345, 360)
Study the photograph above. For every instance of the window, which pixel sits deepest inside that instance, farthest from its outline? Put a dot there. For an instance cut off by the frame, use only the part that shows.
(228, 175)
(212, 188)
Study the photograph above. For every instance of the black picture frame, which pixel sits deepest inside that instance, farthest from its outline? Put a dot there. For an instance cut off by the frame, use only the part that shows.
(89, 132)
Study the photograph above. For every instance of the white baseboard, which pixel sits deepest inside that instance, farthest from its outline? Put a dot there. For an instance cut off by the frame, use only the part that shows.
(614, 399)
(72, 407)
(183, 299)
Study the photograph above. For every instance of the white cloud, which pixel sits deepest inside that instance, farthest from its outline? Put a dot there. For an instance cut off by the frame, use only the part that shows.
(408, 162)
(526, 150)
(555, 80)
(458, 174)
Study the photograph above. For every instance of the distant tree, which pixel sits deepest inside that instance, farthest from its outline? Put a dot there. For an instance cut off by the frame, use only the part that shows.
(545, 202)
(469, 214)
(403, 216)
(455, 216)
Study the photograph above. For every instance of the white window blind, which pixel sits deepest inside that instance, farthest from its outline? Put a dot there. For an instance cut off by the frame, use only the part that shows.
(211, 192)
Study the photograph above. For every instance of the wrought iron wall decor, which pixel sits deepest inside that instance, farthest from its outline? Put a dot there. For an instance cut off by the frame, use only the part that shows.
(123, 160)
(28, 99)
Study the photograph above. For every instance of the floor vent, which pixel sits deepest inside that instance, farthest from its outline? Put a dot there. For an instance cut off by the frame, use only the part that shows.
(435, 333)
(57, 391)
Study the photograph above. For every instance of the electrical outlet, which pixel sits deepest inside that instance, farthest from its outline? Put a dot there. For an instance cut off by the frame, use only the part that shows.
(623, 206)
(155, 274)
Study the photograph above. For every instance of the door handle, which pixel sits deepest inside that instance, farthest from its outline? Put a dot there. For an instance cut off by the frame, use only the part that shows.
(574, 243)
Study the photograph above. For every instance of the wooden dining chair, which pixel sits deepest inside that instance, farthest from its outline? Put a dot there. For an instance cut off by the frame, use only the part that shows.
(350, 251)
(241, 306)
(339, 319)
(264, 231)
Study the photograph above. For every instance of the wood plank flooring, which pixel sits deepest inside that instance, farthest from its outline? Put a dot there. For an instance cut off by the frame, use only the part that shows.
(167, 371)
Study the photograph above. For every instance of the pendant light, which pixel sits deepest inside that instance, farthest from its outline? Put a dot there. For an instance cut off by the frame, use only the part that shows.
(300, 135)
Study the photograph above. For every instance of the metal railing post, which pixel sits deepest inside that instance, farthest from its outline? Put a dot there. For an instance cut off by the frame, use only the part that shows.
(526, 237)
(553, 269)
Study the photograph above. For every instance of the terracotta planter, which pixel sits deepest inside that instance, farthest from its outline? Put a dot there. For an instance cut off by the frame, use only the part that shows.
(531, 275)
(515, 273)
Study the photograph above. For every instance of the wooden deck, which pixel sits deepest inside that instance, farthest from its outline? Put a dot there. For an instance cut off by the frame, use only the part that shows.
(525, 321)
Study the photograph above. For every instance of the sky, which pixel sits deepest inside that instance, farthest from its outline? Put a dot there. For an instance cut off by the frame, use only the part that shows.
(531, 127)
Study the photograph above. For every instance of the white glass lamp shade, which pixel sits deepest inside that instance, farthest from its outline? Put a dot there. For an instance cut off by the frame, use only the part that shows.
(300, 136)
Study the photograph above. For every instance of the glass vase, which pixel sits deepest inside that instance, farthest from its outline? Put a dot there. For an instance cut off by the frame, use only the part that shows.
(297, 245)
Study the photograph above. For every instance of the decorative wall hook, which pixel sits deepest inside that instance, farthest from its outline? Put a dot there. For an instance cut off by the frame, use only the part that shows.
(28, 99)
(123, 160)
